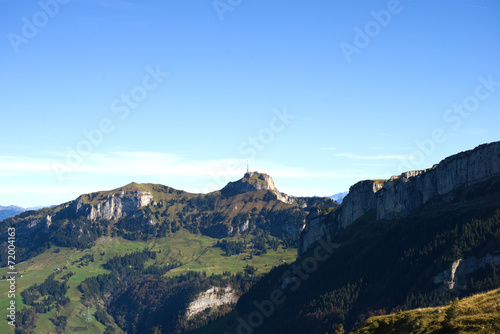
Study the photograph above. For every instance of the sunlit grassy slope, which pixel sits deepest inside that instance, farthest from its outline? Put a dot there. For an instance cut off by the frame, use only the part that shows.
(476, 314)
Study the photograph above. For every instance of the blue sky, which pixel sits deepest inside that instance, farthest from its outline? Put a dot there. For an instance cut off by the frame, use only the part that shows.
(320, 95)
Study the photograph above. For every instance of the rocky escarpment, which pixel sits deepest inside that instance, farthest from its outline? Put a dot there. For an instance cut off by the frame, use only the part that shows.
(114, 206)
(318, 226)
(213, 297)
(254, 181)
(402, 194)
(45, 222)
(361, 199)
(454, 278)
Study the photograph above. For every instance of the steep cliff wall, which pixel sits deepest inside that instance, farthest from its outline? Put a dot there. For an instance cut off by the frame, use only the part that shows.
(402, 194)
(44, 222)
(318, 226)
(362, 197)
(114, 206)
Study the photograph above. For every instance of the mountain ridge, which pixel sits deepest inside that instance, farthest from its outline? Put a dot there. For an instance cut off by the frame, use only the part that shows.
(442, 247)
(372, 267)
(183, 236)
(400, 195)
(141, 211)
(479, 313)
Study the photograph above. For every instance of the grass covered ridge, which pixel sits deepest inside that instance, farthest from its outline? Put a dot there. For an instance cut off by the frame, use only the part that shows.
(477, 314)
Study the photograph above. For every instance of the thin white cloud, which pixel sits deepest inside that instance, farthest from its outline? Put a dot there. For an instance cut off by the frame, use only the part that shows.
(31, 181)
(376, 157)
(44, 190)
(365, 164)
(154, 163)
(295, 173)
(387, 148)
(148, 155)
(13, 165)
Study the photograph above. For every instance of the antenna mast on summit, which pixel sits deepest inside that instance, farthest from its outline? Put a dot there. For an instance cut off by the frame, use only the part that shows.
(248, 169)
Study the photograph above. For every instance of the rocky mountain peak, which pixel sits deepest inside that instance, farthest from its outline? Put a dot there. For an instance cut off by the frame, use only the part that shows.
(259, 181)
(254, 181)
(251, 181)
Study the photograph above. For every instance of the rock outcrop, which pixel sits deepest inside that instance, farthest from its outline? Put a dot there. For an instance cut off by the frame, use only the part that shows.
(454, 278)
(114, 206)
(362, 197)
(318, 226)
(402, 194)
(213, 297)
(44, 223)
(254, 181)
(240, 228)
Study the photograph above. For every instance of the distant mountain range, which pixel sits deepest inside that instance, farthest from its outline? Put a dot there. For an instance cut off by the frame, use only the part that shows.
(12, 210)
(339, 197)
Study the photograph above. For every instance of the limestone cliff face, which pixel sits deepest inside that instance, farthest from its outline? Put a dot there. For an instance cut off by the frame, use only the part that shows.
(318, 226)
(402, 194)
(114, 206)
(43, 223)
(362, 197)
(454, 278)
(240, 228)
(213, 297)
(254, 182)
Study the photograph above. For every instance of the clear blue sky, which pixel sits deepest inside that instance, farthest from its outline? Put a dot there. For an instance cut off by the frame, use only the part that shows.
(317, 94)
